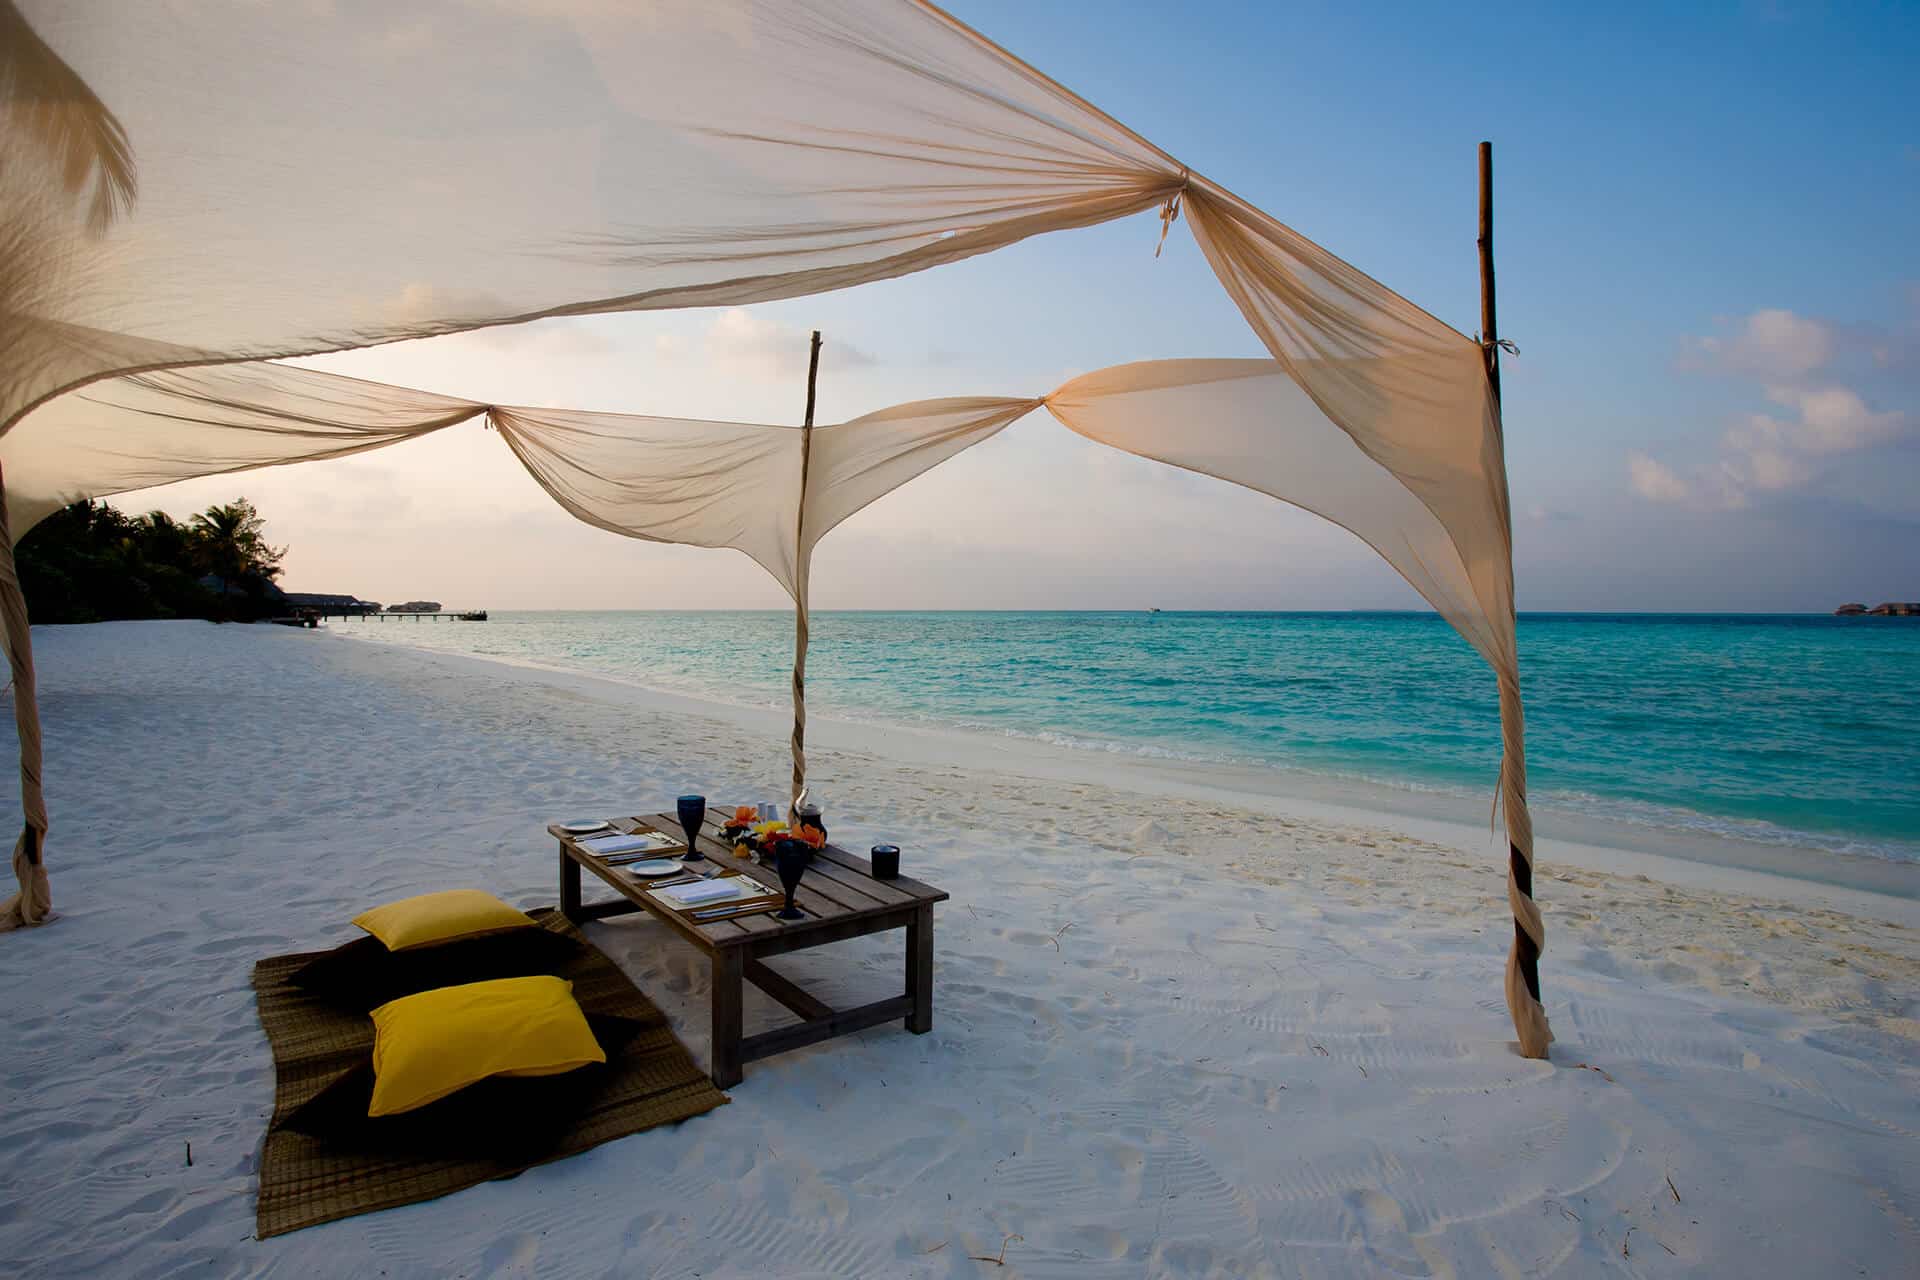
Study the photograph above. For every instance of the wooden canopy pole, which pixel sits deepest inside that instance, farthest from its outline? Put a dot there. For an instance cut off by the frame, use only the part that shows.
(1519, 861)
(813, 378)
(801, 583)
(1489, 326)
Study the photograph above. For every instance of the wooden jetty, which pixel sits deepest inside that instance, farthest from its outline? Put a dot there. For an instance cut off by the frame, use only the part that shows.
(451, 615)
(310, 606)
(377, 615)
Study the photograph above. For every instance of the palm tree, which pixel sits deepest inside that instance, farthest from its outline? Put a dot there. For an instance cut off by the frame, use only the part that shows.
(163, 539)
(233, 543)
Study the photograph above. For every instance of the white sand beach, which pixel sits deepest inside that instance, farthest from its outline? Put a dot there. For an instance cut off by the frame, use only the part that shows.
(1143, 1062)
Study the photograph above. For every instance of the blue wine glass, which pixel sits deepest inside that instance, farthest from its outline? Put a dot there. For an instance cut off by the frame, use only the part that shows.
(790, 859)
(692, 811)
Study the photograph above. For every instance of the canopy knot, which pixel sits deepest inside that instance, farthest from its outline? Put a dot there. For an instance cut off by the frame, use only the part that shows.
(1505, 344)
(1170, 211)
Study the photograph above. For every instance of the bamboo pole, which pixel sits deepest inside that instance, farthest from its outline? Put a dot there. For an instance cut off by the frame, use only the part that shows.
(801, 570)
(1526, 948)
(813, 378)
(1489, 324)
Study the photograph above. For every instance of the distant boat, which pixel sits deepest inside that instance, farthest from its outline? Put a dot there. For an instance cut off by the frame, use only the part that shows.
(1154, 609)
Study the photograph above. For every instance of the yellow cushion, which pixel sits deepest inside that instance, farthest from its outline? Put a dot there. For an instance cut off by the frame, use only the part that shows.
(441, 917)
(439, 1042)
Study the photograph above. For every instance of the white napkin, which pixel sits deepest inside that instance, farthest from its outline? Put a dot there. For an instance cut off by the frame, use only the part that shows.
(604, 845)
(688, 895)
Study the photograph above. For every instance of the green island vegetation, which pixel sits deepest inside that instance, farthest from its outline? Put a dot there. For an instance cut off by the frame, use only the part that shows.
(93, 563)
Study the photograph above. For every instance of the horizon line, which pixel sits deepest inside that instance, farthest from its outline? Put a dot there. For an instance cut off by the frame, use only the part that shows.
(1136, 609)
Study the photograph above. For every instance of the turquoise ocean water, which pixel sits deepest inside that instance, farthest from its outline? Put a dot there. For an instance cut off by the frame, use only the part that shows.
(1800, 730)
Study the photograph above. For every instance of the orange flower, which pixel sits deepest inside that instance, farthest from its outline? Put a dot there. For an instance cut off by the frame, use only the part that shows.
(745, 816)
(812, 836)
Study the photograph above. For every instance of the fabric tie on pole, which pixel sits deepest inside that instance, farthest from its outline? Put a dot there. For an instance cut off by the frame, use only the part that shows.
(798, 742)
(32, 904)
(1170, 213)
(1529, 929)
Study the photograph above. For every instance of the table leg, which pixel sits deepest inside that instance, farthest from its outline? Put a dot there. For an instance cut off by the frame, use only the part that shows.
(569, 886)
(728, 968)
(920, 970)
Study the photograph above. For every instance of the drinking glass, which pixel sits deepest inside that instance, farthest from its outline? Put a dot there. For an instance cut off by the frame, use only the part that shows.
(692, 811)
(790, 858)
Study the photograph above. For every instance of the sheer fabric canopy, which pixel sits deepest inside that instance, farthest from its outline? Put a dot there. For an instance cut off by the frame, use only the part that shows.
(237, 182)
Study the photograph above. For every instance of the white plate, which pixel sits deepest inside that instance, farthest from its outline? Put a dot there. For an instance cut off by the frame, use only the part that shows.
(584, 828)
(655, 869)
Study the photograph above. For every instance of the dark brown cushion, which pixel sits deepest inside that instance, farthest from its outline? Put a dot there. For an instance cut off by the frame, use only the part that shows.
(363, 975)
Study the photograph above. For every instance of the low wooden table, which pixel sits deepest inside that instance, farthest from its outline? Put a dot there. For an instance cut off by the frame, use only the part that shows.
(841, 899)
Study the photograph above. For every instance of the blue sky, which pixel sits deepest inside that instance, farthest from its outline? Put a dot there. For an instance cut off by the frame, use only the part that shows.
(1706, 243)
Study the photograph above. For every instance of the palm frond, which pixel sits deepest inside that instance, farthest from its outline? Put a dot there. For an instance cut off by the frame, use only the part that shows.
(49, 101)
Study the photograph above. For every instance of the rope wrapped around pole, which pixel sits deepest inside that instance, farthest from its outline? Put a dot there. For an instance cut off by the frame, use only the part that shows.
(33, 904)
(799, 702)
(802, 557)
(1529, 931)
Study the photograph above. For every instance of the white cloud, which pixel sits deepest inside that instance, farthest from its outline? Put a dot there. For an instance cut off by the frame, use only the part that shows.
(540, 340)
(1772, 470)
(1790, 360)
(1835, 419)
(1654, 480)
(1772, 454)
(743, 343)
(1773, 343)
(1726, 486)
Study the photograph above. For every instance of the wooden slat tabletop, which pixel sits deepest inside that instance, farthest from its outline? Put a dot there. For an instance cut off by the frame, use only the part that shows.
(863, 867)
(838, 886)
(807, 897)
